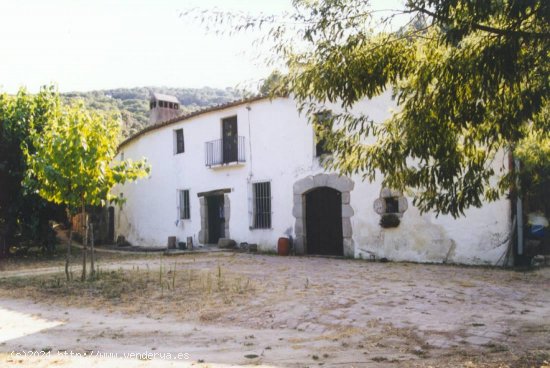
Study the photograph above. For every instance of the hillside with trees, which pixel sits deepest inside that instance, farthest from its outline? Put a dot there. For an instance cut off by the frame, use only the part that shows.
(133, 103)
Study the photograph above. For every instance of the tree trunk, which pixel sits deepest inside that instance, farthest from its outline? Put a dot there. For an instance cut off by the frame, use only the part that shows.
(92, 253)
(84, 242)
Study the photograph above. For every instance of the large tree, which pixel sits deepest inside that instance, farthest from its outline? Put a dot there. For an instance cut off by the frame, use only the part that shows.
(73, 162)
(470, 78)
(24, 216)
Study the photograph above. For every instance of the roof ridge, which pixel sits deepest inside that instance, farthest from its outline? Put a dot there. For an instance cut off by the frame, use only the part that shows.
(192, 114)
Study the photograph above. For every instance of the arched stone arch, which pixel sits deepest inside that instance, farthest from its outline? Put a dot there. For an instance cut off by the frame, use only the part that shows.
(340, 183)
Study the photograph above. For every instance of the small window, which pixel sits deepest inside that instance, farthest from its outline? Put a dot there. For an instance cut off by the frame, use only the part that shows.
(153, 104)
(180, 146)
(392, 205)
(261, 200)
(185, 213)
(324, 121)
(176, 106)
(171, 105)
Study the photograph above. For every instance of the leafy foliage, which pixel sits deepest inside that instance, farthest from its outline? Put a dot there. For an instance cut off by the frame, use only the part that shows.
(468, 76)
(24, 216)
(533, 151)
(73, 159)
(272, 83)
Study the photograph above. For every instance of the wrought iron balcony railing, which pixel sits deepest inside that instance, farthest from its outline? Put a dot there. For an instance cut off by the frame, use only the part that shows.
(225, 151)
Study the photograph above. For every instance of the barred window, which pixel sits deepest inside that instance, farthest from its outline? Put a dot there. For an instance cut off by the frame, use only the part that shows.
(184, 209)
(180, 146)
(261, 201)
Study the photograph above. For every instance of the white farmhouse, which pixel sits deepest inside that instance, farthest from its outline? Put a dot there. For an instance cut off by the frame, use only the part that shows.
(250, 171)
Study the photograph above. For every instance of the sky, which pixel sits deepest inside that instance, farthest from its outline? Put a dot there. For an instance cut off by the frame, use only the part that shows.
(83, 45)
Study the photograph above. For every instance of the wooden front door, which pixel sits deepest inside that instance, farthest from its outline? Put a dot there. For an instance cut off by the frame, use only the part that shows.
(230, 140)
(324, 222)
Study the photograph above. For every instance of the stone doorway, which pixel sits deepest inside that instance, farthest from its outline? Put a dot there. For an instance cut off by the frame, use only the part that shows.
(215, 215)
(341, 184)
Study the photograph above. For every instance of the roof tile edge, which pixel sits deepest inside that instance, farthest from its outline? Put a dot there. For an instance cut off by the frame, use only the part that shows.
(191, 115)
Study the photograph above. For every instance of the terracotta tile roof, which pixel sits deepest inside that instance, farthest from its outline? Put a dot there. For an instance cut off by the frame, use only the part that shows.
(189, 116)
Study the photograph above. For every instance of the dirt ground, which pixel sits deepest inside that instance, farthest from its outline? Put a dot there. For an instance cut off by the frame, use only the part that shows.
(228, 309)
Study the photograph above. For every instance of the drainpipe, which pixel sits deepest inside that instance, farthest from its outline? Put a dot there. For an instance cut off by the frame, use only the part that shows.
(519, 212)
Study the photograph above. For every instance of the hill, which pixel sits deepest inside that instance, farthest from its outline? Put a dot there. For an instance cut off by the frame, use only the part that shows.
(133, 103)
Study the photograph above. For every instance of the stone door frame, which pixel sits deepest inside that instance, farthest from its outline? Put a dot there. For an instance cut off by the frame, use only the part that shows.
(340, 183)
(203, 233)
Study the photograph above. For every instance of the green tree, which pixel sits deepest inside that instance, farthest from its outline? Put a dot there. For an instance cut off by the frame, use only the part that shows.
(73, 163)
(271, 83)
(23, 216)
(469, 78)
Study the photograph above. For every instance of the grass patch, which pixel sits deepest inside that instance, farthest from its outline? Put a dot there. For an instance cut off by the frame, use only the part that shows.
(185, 292)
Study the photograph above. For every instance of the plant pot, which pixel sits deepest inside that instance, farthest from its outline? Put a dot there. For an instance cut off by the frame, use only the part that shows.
(283, 247)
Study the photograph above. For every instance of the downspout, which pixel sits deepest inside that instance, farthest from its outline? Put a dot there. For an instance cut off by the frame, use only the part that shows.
(250, 171)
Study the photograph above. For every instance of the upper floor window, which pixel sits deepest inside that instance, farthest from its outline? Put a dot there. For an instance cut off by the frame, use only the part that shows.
(178, 141)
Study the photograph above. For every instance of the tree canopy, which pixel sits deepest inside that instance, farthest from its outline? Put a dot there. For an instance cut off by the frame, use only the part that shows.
(470, 78)
(73, 163)
(24, 216)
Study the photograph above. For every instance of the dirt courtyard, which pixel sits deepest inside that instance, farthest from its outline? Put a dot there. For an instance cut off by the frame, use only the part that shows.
(231, 309)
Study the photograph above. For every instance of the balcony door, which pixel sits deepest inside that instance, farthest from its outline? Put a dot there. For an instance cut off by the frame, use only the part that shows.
(230, 139)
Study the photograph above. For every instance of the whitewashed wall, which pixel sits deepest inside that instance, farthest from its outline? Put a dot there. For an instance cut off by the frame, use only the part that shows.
(283, 152)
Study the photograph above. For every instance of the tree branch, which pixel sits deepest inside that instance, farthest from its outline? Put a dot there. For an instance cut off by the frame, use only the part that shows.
(497, 31)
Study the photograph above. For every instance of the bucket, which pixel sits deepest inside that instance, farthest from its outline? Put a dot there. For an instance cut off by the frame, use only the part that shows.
(283, 246)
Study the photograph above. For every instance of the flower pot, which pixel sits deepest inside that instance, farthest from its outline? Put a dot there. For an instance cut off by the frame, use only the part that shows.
(283, 246)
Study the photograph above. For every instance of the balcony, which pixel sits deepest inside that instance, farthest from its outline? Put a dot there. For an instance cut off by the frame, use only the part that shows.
(225, 152)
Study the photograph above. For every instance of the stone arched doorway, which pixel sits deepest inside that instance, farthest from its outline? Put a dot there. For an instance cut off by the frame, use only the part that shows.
(337, 183)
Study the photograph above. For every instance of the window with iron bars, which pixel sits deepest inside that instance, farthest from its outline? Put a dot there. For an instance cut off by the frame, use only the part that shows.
(261, 205)
(185, 213)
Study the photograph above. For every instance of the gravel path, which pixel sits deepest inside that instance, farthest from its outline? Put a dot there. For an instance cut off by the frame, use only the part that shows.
(306, 312)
